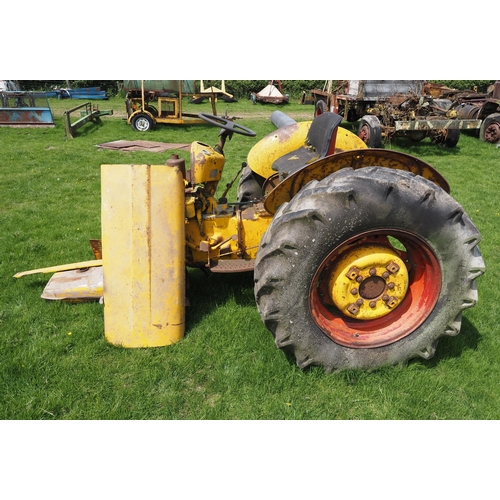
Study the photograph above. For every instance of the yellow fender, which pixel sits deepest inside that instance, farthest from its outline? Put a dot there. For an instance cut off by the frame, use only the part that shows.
(275, 145)
(289, 138)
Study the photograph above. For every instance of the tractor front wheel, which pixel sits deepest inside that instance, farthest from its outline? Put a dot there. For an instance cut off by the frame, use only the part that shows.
(370, 131)
(366, 268)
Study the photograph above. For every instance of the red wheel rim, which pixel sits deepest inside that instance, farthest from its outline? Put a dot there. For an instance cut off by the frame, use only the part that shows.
(492, 132)
(423, 292)
(364, 134)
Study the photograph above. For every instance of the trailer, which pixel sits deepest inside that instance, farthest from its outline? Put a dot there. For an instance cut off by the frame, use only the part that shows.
(149, 102)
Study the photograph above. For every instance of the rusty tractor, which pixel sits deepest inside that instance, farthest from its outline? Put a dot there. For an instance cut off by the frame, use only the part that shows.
(388, 108)
(361, 257)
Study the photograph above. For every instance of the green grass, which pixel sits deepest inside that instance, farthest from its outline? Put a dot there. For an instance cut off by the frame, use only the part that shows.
(56, 364)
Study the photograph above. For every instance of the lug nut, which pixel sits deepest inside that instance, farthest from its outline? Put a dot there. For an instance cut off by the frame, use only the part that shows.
(353, 273)
(373, 304)
(354, 291)
(392, 267)
(392, 302)
(359, 302)
(353, 309)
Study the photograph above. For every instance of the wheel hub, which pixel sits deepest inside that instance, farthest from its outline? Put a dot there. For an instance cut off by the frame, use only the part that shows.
(368, 282)
(364, 134)
(492, 133)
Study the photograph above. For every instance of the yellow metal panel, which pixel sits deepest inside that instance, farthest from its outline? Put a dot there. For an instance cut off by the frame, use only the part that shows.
(276, 144)
(206, 163)
(346, 140)
(143, 254)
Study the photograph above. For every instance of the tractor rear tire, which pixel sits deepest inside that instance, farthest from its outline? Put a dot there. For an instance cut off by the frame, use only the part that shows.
(370, 131)
(304, 244)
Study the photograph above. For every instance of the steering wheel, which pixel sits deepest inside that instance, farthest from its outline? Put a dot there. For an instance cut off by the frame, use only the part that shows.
(226, 124)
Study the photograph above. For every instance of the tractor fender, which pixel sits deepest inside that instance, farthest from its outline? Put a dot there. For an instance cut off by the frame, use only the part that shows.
(288, 138)
(355, 159)
(276, 144)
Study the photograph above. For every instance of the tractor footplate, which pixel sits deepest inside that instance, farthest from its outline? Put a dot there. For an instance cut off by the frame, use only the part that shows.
(232, 266)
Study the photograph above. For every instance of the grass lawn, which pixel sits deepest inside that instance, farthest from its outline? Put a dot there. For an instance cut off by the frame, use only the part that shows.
(56, 364)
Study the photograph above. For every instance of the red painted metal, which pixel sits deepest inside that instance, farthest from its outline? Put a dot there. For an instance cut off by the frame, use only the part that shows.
(423, 292)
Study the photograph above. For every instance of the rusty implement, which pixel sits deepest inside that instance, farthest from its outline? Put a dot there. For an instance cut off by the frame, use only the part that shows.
(270, 94)
(89, 113)
(25, 109)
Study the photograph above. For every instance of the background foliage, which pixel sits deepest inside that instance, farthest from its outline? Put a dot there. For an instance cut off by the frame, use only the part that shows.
(239, 88)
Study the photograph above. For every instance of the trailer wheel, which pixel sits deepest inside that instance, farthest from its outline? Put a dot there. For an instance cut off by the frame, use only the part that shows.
(249, 186)
(366, 268)
(447, 138)
(142, 122)
(490, 129)
(370, 131)
(416, 135)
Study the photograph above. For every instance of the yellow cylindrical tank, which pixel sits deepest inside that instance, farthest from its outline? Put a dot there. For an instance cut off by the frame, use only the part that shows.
(143, 257)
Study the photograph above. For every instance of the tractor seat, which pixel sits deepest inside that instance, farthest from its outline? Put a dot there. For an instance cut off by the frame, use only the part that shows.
(320, 142)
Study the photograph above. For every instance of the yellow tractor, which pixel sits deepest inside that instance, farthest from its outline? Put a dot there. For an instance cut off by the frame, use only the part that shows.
(361, 258)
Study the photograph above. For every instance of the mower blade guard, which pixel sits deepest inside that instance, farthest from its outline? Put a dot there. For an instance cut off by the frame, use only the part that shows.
(143, 245)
